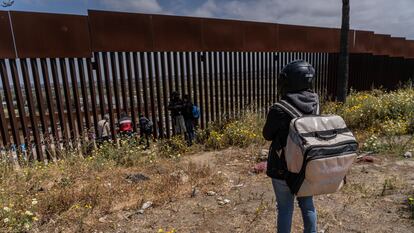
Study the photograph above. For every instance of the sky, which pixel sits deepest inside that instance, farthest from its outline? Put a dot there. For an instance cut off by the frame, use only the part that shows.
(395, 17)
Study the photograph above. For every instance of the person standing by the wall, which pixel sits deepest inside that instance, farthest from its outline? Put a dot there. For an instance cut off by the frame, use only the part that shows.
(188, 119)
(104, 131)
(145, 127)
(176, 107)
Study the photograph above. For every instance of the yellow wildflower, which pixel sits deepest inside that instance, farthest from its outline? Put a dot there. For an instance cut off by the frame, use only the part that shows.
(28, 213)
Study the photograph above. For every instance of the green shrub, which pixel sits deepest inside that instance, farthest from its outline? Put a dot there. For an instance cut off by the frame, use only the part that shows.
(241, 132)
(379, 118)
(215, 140)
(127, 153)
(373, 144)
(17, 212)
(19, 204)
(365, 110)
(173, 147)
(395, 127)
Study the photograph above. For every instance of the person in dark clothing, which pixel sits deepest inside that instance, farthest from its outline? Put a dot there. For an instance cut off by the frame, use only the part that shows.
(176, 106)
(125, 125)
(188, 119)
(295, 85)
(145, 127)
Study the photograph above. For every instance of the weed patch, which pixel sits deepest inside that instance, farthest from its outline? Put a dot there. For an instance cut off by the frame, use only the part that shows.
(173, 147)
(241, 132)
(380, 118)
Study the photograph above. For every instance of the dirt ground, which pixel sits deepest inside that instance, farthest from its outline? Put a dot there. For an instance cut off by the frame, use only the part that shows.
(373, 200)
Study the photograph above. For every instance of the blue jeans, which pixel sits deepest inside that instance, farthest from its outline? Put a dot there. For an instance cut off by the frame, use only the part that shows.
(285, 205)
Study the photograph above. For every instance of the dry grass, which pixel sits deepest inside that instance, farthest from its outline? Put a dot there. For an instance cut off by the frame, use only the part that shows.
(93, 194)
(74, 193)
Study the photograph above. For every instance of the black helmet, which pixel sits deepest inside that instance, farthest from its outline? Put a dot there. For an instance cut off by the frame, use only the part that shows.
(296, 76)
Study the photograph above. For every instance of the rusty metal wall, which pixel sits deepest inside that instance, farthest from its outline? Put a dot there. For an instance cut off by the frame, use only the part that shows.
(50, 35)
(57, 35)
(361, 41)
(72, 70)
(114, 31)
(7, 49)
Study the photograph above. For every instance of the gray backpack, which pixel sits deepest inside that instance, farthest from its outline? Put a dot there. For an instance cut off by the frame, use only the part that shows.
(319, 152)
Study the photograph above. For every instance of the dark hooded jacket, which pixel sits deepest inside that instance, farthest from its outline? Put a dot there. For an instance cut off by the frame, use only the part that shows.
(276, 129)
(176, 106)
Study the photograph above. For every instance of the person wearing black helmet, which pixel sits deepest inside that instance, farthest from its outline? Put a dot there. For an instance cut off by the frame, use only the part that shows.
(295, 84)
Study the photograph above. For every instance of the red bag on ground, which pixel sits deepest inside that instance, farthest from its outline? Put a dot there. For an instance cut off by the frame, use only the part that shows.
(260, 167)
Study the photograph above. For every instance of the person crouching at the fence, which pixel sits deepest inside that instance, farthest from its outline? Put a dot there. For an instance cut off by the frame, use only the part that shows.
(104, 130)
(125, 125)
(295, 85)
(145, 127)
(176, 106)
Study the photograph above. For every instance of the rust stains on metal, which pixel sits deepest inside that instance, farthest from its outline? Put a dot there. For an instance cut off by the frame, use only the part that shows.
(409, 51)
(222, 35)
(380, 44)
(259, 36)
(176, 33)
(113, 31)
(322, 39)
(398, 46)
(308, 39)
(50, 35)
(292, 38)
(6, 37)
(361, 41)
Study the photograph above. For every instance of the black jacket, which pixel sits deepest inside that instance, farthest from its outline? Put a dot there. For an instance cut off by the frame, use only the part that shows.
(176, 107)
(276, 129)
(145, 125)
(188, 110)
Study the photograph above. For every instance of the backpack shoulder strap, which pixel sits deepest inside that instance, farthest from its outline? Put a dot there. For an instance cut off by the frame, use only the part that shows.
(289, 109)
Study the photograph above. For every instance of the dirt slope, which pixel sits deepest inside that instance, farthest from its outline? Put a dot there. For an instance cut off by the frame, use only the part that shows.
(372, 201)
